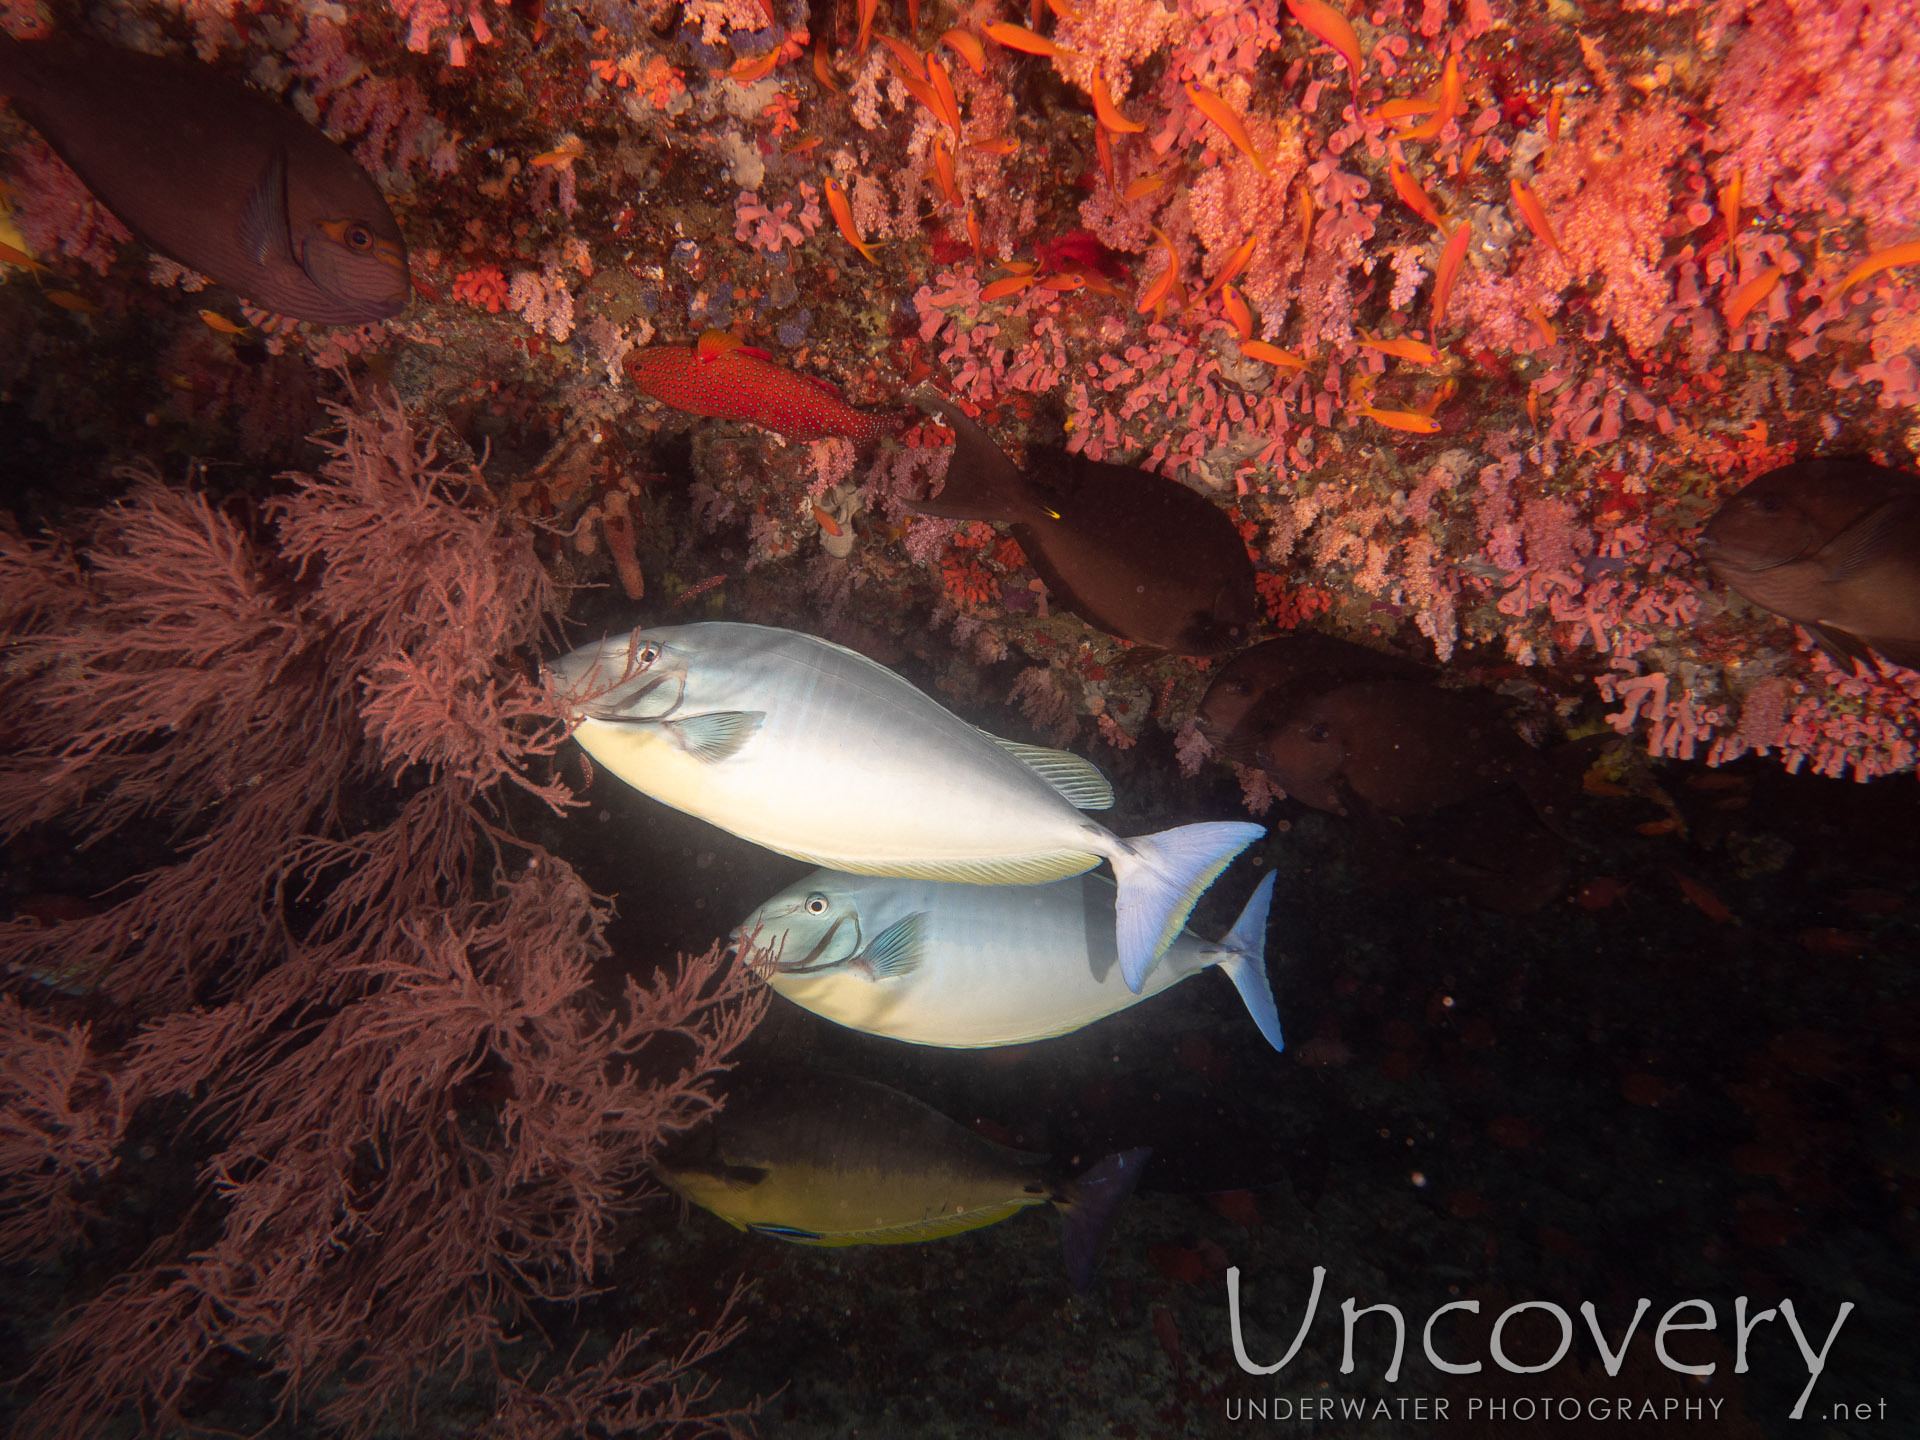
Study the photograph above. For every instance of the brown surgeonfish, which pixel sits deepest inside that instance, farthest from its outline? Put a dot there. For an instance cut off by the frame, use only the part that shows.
(1442, 792)
(1399, 746)
(1230, 715)
(1130, 552)
(217, 175)
(1832, 543)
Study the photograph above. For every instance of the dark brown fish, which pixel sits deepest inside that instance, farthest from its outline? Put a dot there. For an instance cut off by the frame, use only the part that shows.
(1278, 672)
(1832, 543)
(1132, 553)
(1490, 849)
(217, 175)
(1397, 747)
(1444, 795)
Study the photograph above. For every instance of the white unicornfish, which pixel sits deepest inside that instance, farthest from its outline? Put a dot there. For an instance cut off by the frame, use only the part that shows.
(969, 965)
(817, 752)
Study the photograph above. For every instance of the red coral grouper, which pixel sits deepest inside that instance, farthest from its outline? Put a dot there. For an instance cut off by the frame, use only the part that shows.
(730, 381)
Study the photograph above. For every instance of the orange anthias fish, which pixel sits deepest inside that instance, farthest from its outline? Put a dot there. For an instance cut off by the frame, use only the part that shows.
(1241, 257)
(9, 255)
(1416, 199)
(1237, 313)
(964, 44)
(1418, 351)
(1018, 37)
(1888, 259)
(1448, 271)
(1534, 213)
(1161, 291)
(1228, 123)
(1741, 301)
(1412, 421)
(219, 323)
(1452, 102)
(843, 217)
(727, 380)
(1108, 113)
(1273, 355)
(1334, 28)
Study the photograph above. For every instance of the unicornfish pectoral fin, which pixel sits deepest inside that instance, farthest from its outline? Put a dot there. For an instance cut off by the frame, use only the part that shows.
(716, 736)
(1088, 1205)
(1245, 961)
(263, 223)
(1159, 878)
(898, 949)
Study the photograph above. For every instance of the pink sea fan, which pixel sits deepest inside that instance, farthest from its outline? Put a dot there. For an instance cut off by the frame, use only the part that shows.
(1816, 105)
(320, 707)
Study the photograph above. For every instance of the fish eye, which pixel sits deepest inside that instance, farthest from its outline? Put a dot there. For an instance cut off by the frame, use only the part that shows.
(816, 904)
(1319, 734)
(646, 655)
(358, 237)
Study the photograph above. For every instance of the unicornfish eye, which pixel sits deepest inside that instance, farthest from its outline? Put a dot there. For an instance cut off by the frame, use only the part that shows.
(1319, 734)
(359, 237)
(816, 904)
(645, 656)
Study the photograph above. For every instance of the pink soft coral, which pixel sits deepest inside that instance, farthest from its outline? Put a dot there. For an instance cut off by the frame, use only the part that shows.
(1608, 195)
(1816, 105)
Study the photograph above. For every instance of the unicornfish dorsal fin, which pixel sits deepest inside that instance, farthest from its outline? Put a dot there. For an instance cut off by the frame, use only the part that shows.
(1083, 784)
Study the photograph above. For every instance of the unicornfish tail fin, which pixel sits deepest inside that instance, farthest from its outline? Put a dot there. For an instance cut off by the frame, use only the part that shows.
(1087, 1205)
(1159, 879)
(1243, 958)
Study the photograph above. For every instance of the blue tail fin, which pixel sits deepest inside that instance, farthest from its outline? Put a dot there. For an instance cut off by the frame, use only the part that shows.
(1159, 879)
(1245, 961)
(1087, 1206)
